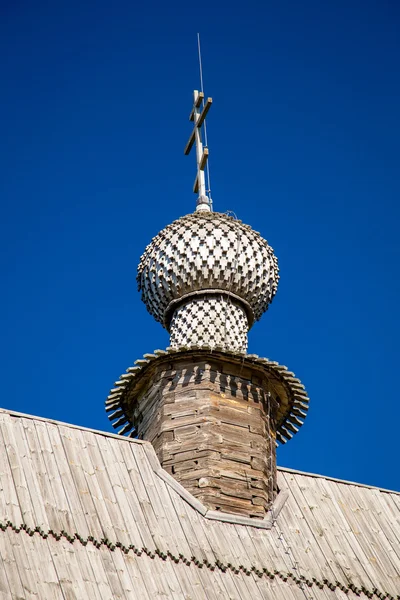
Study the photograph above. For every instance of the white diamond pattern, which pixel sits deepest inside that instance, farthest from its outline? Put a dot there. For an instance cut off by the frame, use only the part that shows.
(212, 320)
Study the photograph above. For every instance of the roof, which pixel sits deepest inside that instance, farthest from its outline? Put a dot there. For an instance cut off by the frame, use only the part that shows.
(86, 514)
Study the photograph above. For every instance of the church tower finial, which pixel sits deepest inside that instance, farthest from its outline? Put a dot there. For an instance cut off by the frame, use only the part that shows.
(198, 116)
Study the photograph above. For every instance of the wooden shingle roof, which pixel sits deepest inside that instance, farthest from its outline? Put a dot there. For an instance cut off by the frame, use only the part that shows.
(86, 514)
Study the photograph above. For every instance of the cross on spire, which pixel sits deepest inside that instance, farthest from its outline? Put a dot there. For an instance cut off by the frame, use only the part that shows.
(198, 115)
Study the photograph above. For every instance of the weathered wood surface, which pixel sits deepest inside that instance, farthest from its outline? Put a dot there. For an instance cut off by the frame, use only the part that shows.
(214, 431)
(122, 403)
(86, 515)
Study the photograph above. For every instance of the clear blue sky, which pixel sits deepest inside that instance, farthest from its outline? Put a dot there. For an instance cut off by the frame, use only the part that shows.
(304, 146)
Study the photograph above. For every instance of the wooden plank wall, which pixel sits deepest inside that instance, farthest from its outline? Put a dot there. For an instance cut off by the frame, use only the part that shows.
(213, 428)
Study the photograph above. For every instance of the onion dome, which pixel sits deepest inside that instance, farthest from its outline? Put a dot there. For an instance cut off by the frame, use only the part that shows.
(207, 253)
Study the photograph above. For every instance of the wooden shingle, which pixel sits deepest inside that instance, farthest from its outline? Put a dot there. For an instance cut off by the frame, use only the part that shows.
(86, 514)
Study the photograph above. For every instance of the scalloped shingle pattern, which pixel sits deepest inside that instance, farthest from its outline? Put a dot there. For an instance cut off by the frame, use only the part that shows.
(207, 251)
(213, 320)
(293, 396)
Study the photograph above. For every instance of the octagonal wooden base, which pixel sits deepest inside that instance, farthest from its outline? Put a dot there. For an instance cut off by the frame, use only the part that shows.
(212, 425)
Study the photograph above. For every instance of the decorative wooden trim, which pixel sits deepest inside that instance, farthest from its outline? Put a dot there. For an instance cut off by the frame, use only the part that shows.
(169, 480)
(290, 413)
(174, 304)
(265, 523)
(270, 572)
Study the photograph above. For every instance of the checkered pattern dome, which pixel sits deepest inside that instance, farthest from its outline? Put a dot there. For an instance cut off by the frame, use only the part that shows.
(207, 251)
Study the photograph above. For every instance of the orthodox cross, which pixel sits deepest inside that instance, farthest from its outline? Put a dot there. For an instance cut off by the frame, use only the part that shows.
(198, 115)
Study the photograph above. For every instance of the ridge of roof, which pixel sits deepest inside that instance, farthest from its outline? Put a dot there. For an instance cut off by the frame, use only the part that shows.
(337, 480)
(15, 413)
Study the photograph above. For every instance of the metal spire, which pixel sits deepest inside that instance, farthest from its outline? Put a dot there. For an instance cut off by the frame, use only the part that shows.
(198, 115)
